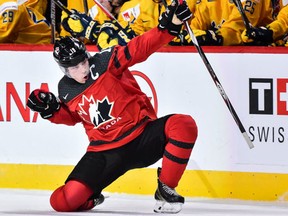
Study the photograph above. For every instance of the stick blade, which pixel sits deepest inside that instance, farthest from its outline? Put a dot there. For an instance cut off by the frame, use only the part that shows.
(248, 140)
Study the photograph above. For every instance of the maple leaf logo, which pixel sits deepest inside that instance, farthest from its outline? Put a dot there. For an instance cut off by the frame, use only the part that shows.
(96, 112)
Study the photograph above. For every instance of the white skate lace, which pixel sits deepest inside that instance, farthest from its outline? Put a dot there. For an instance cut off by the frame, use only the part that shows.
(169, 190)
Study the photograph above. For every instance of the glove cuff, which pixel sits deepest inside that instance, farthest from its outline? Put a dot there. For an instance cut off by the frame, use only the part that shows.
(174, 29)
(50, 111)
(270, 34)
(92, 31)
(166, 17)
(210, 38)
(183, 13)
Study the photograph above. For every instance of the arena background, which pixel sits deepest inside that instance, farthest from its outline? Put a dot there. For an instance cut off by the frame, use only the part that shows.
(35, 154)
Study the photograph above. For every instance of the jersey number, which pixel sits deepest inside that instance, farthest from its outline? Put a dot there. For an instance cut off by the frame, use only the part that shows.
(249, 6)
(8, 16)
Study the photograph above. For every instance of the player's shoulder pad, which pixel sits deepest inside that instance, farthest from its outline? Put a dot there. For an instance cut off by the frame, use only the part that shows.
(100, 61)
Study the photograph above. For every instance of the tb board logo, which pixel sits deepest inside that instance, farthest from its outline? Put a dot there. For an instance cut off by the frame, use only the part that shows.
(261, 96)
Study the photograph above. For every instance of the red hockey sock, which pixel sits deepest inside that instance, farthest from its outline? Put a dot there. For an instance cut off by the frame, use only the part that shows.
(73, 196)
(181, 131)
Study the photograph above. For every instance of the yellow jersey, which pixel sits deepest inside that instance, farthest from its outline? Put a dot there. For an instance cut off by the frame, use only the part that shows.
(223, 17)
(149, 14)
(22, 23)
(280, 25)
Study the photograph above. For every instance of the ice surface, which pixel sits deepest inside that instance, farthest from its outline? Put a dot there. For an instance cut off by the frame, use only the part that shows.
(14, 202)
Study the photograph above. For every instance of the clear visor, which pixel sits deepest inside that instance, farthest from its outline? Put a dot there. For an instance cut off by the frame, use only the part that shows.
(65, 69)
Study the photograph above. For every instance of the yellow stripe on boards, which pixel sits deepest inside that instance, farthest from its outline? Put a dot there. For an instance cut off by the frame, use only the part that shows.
(198, 183)
(33, 176)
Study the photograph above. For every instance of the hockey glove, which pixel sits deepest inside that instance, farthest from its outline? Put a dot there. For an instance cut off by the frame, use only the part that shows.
(257, 36)
(111, 34)
(165, 20)
(43, 102)
(209, 38)
(81, 25)
(182, 39)
(183, 12)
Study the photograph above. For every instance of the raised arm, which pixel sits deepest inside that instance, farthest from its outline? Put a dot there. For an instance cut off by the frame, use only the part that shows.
(141, 47)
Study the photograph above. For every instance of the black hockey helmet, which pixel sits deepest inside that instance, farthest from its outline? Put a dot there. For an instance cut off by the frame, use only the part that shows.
(69, 51)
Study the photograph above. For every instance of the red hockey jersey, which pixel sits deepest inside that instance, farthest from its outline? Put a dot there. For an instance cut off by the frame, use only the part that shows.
(110, 105)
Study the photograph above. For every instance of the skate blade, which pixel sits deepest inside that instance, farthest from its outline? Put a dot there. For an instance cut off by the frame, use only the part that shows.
(168, 208)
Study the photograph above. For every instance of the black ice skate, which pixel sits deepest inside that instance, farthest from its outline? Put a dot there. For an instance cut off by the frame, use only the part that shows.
(97, 201)
(91, 203)
(167, 199)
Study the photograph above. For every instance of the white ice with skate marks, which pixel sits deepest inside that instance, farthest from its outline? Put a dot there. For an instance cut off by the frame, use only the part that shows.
(36, 203)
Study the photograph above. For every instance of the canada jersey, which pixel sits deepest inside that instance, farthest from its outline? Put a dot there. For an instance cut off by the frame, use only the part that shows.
(110, 105)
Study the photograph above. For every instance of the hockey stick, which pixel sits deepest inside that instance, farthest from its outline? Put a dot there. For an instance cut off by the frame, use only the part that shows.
(53, 21)
(66, 10)
(217, 82)
(85, 4)
(62, 7)
(110, 16)
(245, 19)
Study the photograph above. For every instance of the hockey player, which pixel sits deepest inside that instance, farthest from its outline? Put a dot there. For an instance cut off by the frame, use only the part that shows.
(105, 33)
(220, 23)
(208, 19)
(149, 14)
(150, 10)
(21, 23)
(93, 11)
(123, 129)
(129, 11)
(118, 31)
(267, 34)
(109, 34)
